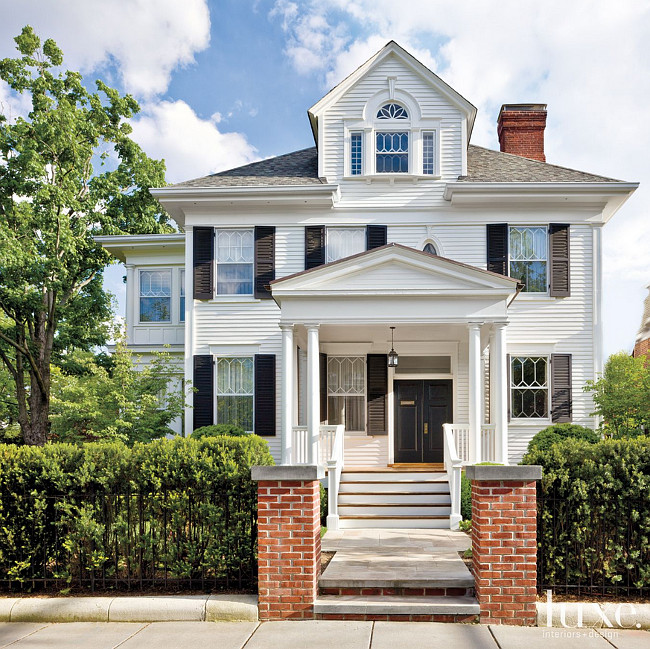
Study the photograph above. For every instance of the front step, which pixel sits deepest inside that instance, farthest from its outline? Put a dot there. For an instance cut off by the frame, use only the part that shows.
(376, 498)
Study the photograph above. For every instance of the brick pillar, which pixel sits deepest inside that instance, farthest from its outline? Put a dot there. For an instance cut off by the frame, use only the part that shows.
(288, 499)
(504, 542)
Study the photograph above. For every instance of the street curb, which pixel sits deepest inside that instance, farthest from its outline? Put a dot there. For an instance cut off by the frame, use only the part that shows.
(170, 608)
(592, 615)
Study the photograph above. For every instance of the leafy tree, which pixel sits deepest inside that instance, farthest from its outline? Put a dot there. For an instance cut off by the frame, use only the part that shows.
(52, 204)
(622, 396)
(132, 401)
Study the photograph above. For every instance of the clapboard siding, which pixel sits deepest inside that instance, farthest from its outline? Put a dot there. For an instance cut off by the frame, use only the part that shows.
(366, 450)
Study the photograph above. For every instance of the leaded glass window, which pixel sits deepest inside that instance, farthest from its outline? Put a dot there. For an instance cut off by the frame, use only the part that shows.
(155, 295)
(528, 257)
(392, 111)
(428, 152)
(356, 154)
(235, 388)
(181, 301)
(392, 152)
(235, 253)
(430, 249)
(529, 387)
(343, 242)
(346, 391)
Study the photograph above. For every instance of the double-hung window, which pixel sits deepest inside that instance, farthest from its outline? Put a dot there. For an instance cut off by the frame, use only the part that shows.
(528, 248)
(356, 153)
(428, 153)
(234, 393)
(235, 254)
(529, 387)
(155, 295)
(346, 391)
(181, 300)
(343, 242)
(392, 152)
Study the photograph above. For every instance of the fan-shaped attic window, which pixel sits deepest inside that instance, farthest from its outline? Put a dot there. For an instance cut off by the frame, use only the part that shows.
(430, 249)
(392, 111)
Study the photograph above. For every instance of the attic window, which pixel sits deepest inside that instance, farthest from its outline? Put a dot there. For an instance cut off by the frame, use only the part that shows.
(392, 111)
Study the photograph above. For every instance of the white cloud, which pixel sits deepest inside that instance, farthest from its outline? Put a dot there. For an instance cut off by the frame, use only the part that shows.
(588, 59)
(146, 39)
(190, 145)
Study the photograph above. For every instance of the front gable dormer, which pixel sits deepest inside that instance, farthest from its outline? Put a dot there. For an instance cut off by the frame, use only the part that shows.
(392, 120)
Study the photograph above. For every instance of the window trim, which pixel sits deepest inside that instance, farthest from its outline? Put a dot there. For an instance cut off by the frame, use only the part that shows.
(524, 293)
(236, 296)
(512, 387)
(230, 356)
(148, 323)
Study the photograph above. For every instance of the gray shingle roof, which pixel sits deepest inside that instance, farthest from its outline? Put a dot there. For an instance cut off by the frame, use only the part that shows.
(487, 166)
(297, 168)
(484, 165)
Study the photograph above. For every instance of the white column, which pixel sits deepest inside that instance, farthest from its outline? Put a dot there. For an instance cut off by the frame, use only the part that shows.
(132, 292)
(287, 391)
(499, 392)
(313, 392)
(475, 393)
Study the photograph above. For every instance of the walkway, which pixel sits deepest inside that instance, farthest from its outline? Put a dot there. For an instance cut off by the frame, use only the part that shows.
(307, 635)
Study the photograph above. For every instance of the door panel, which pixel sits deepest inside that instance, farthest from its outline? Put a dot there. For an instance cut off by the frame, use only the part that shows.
(421, 408)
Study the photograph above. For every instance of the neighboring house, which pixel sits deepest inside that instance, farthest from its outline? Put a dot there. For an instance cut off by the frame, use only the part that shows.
(288, 275)
(642, 344)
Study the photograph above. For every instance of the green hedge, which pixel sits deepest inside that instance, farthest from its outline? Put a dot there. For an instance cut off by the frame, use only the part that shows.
(178, 512)
(594, 515)
(559, 432)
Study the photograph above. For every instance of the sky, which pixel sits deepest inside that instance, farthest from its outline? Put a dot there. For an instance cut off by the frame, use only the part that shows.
(225, 82)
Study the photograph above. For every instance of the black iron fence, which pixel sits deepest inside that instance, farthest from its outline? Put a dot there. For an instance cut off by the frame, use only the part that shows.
(166, 541)
(592, 546)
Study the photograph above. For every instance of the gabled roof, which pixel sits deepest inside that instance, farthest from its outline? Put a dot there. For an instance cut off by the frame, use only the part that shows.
(392, 48)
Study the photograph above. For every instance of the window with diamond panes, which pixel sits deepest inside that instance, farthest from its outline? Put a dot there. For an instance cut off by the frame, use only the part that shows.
(529, 387)
(392, 111)
(356, 154)
(428, 153)
(343, 242)
(392, 152)
(528, 257)
(235, 389)
(346, 391)
(235, 253)
(155, 295)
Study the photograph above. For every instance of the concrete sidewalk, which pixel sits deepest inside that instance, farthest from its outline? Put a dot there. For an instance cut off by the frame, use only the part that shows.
(307, 635)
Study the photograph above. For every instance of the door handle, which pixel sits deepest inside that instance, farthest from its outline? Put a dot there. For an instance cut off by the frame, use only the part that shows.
(426, 428)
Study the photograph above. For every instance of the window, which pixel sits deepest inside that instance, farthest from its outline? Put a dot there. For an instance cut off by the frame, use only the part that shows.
(392, 111)
(430, 249)
(235, 253)
(235, 386)
(528, 257)
(529, 387)
(181, 301)
(356, 154)
(428, 152)
(343, 242)
(155, 295)
(392, 152)
(346, 391)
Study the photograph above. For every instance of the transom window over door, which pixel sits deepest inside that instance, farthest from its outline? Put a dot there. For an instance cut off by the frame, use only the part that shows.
(346, 391)
(529, 387)
(155, 295)
(235, 254)
(528, 248)
(235, 389)
(343, 242)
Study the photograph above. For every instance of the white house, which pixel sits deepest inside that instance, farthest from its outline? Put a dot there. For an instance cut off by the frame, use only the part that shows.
(293, 280)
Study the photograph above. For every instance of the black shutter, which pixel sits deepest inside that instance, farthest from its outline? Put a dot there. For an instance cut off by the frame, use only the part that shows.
(376, 236)
(264, 260)
(497, 248)
(203, 252)
(322, 368)
(203, 384)
(314, 246)
(561, 398)
(377, 365)
(559, 263)
(264, 395)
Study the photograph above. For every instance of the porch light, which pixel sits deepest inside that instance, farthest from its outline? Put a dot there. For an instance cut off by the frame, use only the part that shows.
(393, 358)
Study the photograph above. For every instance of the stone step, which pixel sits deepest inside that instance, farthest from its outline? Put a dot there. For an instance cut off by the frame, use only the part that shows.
(401, 510)
(393, 498)
(429, 487)
(395, 605)
(364, 591)
(394, 522)
(392, 476)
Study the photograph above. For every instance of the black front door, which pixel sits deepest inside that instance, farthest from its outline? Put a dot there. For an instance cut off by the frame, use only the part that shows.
(421, 408)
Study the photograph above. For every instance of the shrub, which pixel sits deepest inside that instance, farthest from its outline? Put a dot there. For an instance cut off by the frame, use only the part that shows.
(323, 505)
(558, 432)
(594, 514)
(219, 430)
(171, 510)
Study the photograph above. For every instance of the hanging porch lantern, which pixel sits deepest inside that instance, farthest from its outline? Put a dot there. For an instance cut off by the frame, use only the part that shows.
(393, 358)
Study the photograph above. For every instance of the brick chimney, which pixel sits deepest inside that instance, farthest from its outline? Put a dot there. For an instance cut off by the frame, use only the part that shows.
(521, 130)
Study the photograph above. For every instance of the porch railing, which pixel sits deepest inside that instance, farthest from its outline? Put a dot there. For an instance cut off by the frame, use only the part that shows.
(461, 438)
(453, 466)
(300, 444)
(488, 443)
